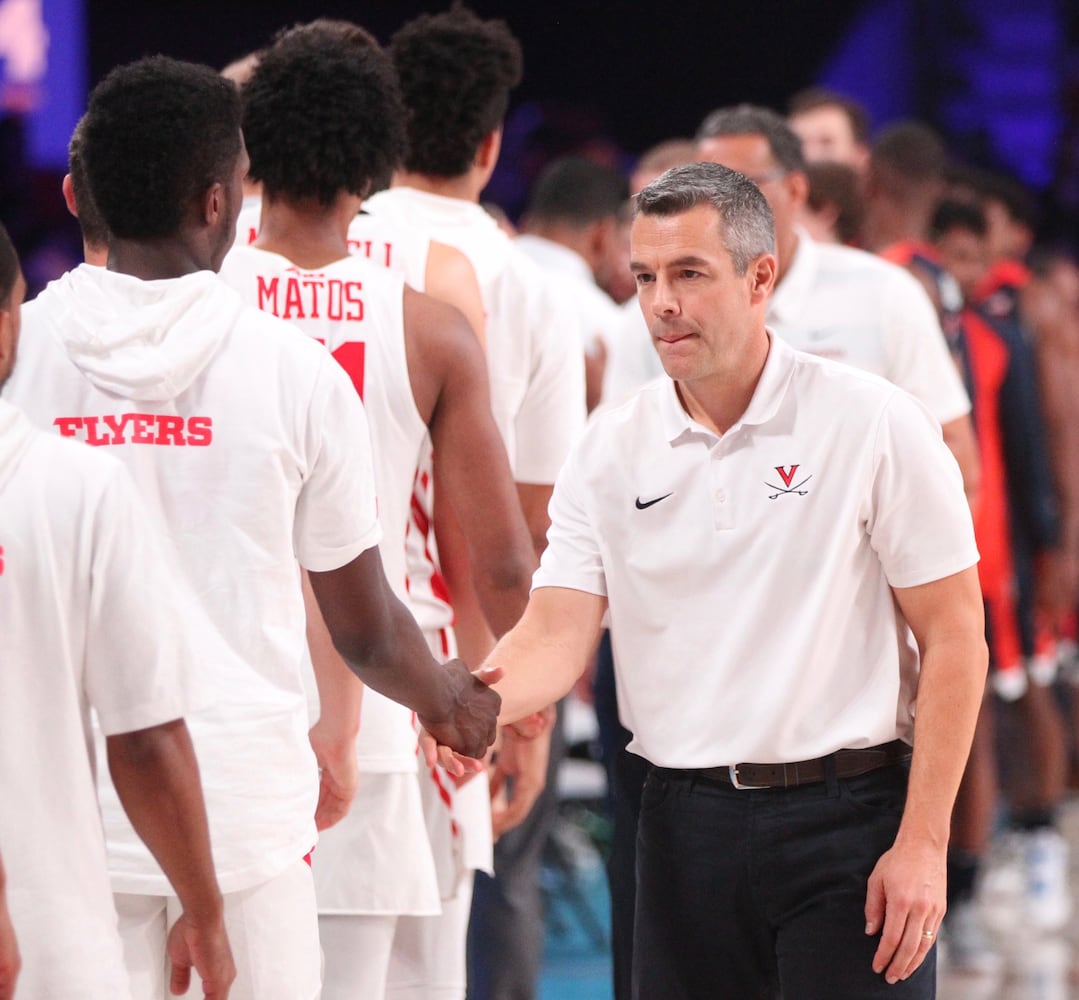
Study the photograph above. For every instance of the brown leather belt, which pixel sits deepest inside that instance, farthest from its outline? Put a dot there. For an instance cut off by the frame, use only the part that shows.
(847, 764)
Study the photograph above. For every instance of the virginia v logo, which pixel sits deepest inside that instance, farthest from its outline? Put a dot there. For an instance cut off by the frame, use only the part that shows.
(787, 475)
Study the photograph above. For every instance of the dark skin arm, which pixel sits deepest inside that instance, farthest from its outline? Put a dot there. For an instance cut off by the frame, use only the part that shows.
(382, 644)
(157, 779)
(9, 949)
(488, 544)
(449, 384)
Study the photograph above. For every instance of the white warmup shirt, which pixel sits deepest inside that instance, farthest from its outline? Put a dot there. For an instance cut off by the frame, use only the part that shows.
(748, 576)
(88, 606)
(598, 314)
(851, 306)
(632, 360)
(533, 352)
(250, 444)
(355, 308)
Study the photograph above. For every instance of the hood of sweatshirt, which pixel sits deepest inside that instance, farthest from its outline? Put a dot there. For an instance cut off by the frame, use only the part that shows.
(143, 340)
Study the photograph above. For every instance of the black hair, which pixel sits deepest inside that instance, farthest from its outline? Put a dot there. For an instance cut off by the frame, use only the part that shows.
(912, 151)
(456, 72)
(322, 114)
(158, 132)
(578, 191)
(814, 98)
(951, 214)
(94, 231)
(9, 267)
(752, 119)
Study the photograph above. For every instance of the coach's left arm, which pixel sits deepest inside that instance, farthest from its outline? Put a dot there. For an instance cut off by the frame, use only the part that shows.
(905, 900)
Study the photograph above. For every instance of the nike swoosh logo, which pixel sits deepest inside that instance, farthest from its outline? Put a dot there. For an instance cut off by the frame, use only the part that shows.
(648, 503)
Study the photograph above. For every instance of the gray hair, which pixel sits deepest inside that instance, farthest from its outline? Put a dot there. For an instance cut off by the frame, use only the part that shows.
(752, 119)
(746, 223)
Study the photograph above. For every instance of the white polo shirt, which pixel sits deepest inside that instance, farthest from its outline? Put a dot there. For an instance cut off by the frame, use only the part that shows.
(91, 617)
(249, 444)
(851, 306)
(748, 576)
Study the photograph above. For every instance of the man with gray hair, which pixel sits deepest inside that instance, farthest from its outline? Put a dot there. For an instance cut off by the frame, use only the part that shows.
(801, 574)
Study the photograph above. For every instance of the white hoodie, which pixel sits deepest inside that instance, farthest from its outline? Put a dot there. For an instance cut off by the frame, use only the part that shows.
(77, 557)
(251, 445)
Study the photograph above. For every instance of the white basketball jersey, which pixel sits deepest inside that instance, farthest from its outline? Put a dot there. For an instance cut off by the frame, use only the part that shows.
(356, 310)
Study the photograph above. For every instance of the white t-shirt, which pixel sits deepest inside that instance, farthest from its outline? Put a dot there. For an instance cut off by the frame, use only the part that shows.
(533, 352)
(632, 360)
(848, 305)
(748, 576)
(597, 312)
(88, 619)
(355, 308)
(250, 444)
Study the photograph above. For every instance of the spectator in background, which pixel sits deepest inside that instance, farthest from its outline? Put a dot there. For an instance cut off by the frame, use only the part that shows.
(658, 159)
(571, 229)
(904, 181)
(833, 128)
(833, 210)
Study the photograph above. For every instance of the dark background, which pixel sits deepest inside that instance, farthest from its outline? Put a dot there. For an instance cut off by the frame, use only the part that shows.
(998, 79)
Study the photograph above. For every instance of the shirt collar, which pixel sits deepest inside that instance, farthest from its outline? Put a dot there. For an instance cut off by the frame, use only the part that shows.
(788, 299)
(678, 425)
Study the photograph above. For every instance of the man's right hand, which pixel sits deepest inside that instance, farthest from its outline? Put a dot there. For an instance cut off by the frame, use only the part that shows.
(206, 948)
(470, 723)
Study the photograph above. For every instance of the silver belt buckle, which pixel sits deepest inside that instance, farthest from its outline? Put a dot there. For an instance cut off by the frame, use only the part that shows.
(732, 770)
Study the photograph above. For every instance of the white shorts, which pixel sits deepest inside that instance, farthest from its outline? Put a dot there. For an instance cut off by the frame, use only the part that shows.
(377, 860)
(272, 929)
(429, 958)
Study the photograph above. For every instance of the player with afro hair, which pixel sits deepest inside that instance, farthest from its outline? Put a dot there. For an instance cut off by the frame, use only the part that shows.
(328, 123)
(157, 134)
(456, 72)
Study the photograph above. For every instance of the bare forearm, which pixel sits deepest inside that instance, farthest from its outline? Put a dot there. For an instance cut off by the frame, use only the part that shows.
(959, 437)
(950, 691)
(545, 653)
(340, 691)
(157, 779)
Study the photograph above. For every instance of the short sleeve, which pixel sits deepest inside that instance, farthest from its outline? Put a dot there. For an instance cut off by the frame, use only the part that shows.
(552, 411)
(143, 665)
(573, 557)
(919, 360)
(919, 522)
(337, 512)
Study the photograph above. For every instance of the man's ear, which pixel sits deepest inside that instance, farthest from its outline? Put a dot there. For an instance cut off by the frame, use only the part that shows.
(798, 187)
(68, 189)
(598, 238)
(762, 273)
(487, 154)
(213, 203)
